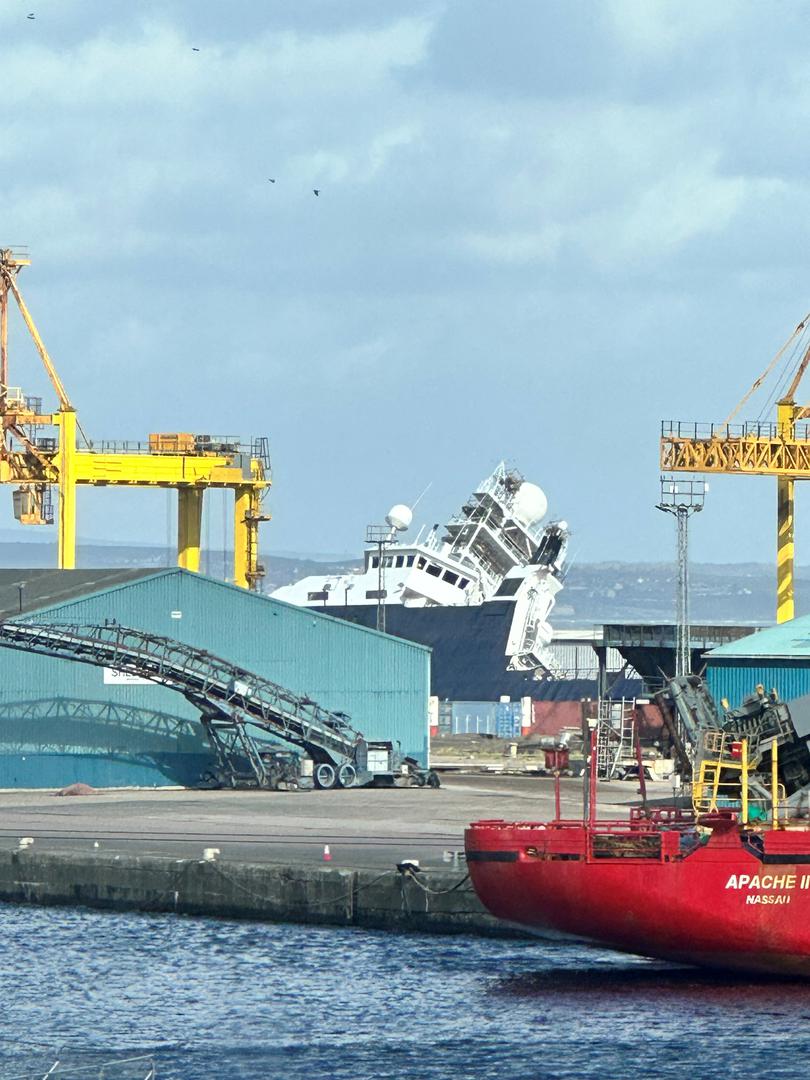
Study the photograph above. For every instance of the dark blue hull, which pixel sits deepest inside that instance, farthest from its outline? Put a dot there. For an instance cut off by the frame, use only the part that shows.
(469, 652)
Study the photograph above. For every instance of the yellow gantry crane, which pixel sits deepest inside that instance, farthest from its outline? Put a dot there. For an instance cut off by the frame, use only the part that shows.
(757, 448)
(39, 452)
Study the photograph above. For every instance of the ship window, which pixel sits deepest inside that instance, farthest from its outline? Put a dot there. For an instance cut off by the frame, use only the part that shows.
(434, 571)
(318, 596)
(388, 560)
(463, 583)
(400, 560)
(375, 561)
(421, 562)
(410, 560)
(450, 577)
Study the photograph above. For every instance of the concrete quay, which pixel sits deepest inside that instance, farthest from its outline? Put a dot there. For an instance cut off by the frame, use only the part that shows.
(144, 850)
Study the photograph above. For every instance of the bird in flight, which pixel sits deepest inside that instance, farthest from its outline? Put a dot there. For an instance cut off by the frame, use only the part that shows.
(270, 180)
(31, 15)
(315, 191)
(193, 49)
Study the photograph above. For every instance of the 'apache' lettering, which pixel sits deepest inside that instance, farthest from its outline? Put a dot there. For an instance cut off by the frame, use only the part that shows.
(764, 881)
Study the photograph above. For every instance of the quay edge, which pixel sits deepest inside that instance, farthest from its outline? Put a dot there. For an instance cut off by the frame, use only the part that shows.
(442, 903)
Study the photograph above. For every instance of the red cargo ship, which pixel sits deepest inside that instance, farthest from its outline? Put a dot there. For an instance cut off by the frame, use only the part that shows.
(708, 889)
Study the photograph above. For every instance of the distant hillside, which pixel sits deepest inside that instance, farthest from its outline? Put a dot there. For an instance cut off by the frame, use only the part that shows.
(593, 593)
(280, 570)
(645, 592)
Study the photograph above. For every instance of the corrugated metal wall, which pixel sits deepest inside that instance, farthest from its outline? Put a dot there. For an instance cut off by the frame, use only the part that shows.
(737, 681)
(381, 682)
(581, 662)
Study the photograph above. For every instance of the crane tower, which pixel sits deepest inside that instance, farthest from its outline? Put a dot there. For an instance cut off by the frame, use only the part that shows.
(761, 447)
(39, 452)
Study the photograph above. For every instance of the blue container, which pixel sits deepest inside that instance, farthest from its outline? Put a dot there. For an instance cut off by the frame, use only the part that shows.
(508, 716)
(473, 718)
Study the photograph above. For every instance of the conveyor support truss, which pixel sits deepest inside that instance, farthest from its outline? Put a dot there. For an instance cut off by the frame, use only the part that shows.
(230, 699)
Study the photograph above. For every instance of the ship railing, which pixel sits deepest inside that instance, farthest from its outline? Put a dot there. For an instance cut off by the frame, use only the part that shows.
(639, 821)
(660, 819)
(663, 815)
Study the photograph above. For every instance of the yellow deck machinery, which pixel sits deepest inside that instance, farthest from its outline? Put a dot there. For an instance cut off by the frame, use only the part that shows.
(757, 448)
(39, 452)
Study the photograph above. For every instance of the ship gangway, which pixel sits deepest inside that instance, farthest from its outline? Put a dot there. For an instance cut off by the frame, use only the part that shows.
(230, 699)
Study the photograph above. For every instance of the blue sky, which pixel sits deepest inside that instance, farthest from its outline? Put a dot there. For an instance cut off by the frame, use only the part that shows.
(543, 227)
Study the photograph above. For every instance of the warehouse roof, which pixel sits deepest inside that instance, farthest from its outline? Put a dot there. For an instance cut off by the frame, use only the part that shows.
(790, 640)
(31, 590)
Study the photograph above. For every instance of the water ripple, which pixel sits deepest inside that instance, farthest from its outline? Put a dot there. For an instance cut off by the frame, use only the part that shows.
(210, 998)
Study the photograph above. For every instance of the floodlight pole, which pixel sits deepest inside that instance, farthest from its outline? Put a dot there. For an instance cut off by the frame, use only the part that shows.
(381, 536)
(682, 498)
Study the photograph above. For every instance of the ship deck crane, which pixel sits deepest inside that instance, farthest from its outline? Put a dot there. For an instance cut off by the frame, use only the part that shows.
(39, 452)
(757, 448)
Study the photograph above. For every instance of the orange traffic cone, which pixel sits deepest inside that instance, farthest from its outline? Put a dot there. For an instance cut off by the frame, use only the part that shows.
(327, 854)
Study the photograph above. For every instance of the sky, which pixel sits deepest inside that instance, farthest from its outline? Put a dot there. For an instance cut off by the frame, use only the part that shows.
(544, 226)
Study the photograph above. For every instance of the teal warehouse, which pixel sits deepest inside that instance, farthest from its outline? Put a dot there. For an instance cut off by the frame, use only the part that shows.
(777, 657)
(63, 722)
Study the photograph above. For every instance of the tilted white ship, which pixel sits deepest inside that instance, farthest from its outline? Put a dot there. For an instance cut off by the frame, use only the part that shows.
(495, 551)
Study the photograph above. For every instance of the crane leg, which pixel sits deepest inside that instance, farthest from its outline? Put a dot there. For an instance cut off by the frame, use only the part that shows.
(66, 553)
(242, 546)
(189, 527)
(784, 549)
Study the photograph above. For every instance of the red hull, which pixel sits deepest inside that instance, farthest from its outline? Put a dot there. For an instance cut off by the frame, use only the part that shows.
(740, 900)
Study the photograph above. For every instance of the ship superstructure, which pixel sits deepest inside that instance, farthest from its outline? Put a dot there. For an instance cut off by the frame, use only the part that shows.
(495, 549)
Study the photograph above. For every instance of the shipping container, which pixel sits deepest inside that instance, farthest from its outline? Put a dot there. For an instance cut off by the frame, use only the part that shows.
(473, 717)
(508, 719)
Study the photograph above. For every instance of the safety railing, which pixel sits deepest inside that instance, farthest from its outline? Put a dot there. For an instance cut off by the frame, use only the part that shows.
(755, 429)
(201, 446)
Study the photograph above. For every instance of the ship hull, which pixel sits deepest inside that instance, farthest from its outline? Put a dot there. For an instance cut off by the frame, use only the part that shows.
(469, 652)
(730, 903)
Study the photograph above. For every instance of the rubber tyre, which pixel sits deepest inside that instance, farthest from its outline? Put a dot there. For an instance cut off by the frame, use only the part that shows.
(347, 775)
(325, 776)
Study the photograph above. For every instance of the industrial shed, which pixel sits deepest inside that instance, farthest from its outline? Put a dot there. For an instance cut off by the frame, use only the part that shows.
(777, 658)
(62, 721)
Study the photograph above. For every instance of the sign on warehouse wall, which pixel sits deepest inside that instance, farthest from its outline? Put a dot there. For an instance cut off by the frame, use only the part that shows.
(124, 678)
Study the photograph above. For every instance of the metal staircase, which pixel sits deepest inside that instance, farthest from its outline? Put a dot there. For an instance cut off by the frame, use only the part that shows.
(615, 734)
(230, 699)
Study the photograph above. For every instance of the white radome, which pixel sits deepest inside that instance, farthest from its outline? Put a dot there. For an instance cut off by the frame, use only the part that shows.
(530, 504)
(399, 517)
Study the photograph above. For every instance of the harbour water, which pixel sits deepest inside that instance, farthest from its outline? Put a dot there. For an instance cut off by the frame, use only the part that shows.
(224, 999)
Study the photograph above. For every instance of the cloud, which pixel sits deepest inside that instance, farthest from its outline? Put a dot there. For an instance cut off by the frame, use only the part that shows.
(517, 247)
(516, 199)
